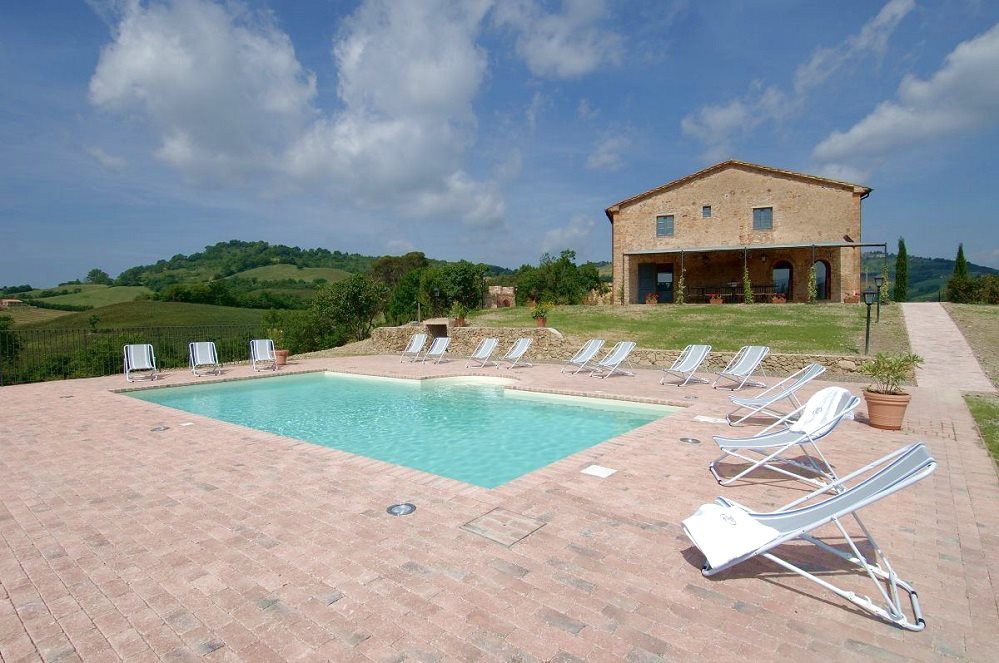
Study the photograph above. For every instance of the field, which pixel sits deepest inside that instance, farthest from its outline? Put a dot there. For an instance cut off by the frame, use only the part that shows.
(282, 272)
(99, 295)
(155, 314)
(29, 315)
(791, 328)
(985, 410)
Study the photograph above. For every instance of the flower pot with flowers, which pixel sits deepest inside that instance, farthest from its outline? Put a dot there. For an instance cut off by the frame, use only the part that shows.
(459, 311)
(652, 298)
(540, 313)
(276, 334)
(886, 400)
(778, 298)
(715, 298)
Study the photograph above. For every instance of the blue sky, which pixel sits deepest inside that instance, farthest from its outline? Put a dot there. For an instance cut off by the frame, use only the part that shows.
(491, 131)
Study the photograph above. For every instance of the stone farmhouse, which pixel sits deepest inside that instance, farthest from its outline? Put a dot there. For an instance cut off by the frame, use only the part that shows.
(712, 224)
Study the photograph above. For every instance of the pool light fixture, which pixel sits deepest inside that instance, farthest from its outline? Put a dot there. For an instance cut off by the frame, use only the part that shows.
(403, 509)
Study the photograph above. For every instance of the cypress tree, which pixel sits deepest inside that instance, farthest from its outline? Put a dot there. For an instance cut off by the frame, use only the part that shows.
(901, 293)
(960, 264)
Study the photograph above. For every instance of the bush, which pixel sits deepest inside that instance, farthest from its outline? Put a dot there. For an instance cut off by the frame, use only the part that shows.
(349, 307)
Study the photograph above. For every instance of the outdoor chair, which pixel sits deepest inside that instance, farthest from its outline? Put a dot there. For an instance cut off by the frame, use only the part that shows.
(815, 419)
(686, 365)
(743, 366)
(437, 349)
(728, 533)
(414, 348)
(516, 353)
(582, 358)
(483, 353)
(765, 403)
(140, 357)
(262, 354)
(204, 359)
(611, 363)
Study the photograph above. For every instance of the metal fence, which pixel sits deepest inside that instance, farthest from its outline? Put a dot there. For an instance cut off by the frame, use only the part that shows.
(35, 355)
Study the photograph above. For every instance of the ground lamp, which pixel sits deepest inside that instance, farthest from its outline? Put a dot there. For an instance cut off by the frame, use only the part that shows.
(878, 282)
(869, 296)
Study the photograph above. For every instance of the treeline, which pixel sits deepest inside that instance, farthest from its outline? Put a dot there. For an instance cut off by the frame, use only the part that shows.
(229, 292)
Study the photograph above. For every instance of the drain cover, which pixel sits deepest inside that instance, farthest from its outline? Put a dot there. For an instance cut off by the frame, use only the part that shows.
(690, 398)
(401, 509)
(159, 429)
(66, 397)
(690, 440)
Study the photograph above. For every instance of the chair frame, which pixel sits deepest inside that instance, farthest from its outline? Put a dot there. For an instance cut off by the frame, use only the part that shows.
(517, 358)
(256, 358)
(196, 365)
(580, 360)
(439, 343)
(412, 348)
(763, 403)
(739, 357)
(483, 353)
(600, 370)
(150, 359)
(678, 370)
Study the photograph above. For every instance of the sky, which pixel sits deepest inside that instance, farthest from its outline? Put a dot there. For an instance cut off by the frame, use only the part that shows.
(492, 131)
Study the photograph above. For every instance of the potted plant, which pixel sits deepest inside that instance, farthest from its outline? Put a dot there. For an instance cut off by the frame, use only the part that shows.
(458, 312)
(540, 313)
(886, 400)
(276, 334)
(652, 298)
(778, 298)
(715, 298)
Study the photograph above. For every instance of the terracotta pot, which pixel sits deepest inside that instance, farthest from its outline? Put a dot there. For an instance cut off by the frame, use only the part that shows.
(280, 357)
(778, 300)
(716, 300)
(541, 322)
(459, 322)
(886, 411)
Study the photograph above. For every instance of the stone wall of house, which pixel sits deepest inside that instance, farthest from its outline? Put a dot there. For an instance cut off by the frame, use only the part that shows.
(552, 346)
(803, 212)
(500, 296)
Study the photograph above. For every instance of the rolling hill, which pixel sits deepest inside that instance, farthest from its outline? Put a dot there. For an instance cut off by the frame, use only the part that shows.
(153, 314)
(927, 276)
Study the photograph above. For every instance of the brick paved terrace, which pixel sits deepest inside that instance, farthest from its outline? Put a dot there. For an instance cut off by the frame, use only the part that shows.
(218, 543)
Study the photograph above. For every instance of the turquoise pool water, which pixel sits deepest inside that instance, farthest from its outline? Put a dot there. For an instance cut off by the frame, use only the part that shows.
(478, 433)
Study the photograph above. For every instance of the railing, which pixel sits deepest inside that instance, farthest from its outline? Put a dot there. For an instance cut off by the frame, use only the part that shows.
(729, 292)
(35, 355)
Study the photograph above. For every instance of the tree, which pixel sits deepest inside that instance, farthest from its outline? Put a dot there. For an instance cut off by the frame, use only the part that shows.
(961, 287)
(557, 280)
(402, 304)
(350, 305)
(99, 277)
(390, 269)
(960, 263)
(901, 293)
(460, 281)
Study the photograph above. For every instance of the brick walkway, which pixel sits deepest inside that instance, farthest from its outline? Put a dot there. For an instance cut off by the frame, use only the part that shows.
(213, 542)
(949, 361)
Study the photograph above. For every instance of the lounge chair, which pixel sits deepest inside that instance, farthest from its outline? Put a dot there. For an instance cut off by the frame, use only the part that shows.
(686, 365)
(729, 533)
(765, 403)
(140, 357)
(483, 353)
(414, 348)
(515, 355)
(815, 419)
(262, 354)
(585, 354)
(437, 349)
(611, 363)
(204, 359)
(743, 366)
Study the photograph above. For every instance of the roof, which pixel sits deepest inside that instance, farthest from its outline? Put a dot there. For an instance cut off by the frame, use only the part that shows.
(744, 165)
(757, 247)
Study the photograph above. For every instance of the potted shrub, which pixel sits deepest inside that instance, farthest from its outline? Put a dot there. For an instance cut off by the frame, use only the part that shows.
(276, 334)
(886, 400)
(715, 298)
(778, 298)
(540, 313)
(652, 298)
(458, 312)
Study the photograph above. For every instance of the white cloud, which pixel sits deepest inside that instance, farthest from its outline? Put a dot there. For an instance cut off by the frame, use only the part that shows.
(586, 111)
(961, 96)
(107, 161)
(566, 44)
(606, 154)
(720, 126)
(573, 235)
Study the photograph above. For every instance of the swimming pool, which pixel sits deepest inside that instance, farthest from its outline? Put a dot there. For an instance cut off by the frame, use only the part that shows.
(472, 431)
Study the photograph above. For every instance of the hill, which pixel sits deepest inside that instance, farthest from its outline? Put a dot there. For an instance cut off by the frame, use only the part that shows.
(294, 273)
(927, 276)
(154, 314)
(90, 294)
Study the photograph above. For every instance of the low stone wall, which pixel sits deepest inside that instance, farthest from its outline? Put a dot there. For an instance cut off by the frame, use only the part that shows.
(552, 346)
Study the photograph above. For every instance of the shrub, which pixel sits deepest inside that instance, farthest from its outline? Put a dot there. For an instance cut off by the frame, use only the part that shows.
(890, 371)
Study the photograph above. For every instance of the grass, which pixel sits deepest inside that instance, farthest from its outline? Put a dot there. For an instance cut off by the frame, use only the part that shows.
(980, 326)
(985, 410)
(790, 328)
(155, 314)
(29, 315)
(282, 272)
(100, 295)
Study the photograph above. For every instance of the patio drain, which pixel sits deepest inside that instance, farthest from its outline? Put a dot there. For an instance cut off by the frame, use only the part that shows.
(159, 429)
(66, 397)
(690, 398)
(690, 440)
(401, 509)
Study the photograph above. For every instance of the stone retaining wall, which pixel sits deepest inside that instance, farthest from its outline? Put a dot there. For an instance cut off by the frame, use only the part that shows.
(550, 345)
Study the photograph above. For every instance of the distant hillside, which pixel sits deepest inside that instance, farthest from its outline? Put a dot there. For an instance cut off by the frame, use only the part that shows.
(927, 276)
(154, 314)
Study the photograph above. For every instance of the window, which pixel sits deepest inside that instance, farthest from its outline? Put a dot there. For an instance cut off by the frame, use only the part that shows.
(664, 226)
(763, 218)
(706, 212)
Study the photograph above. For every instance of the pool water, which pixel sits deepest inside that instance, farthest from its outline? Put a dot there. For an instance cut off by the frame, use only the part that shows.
(482, 434)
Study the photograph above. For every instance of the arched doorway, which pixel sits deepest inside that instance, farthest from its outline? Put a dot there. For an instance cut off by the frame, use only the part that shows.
(783, 276)
(822, 281)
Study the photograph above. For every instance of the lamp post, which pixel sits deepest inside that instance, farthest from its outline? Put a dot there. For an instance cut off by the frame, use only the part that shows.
(869, 300)
(878, 282)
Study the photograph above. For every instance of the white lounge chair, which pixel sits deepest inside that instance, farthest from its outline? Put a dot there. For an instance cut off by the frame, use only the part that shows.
(686, 365)
(815, 419)
(204, 359)
(414, 348)
(743, 366)
(483, 353)
(140, 357)
(765, 403)
(729, 533)
(437, 349)
(582, 358)
(611, 363)
(515, 355)
(262, 354)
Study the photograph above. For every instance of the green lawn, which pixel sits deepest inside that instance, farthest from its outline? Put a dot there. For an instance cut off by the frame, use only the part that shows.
(29, 315)
(155, 314)
(100, 295)
(282, 272)
(791, 328)
(985, 410)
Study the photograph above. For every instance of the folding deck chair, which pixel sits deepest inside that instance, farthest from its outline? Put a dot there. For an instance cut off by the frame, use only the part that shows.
(437, 349)
(262, 354)
(414, 348)
(786, 389)
(743, 366)
(815, 419)
(140, 357)
(204, 359)
(585, 354)
(686, 365)
(516, 353)
(611, 363)
(729, 533)
(483, 353)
